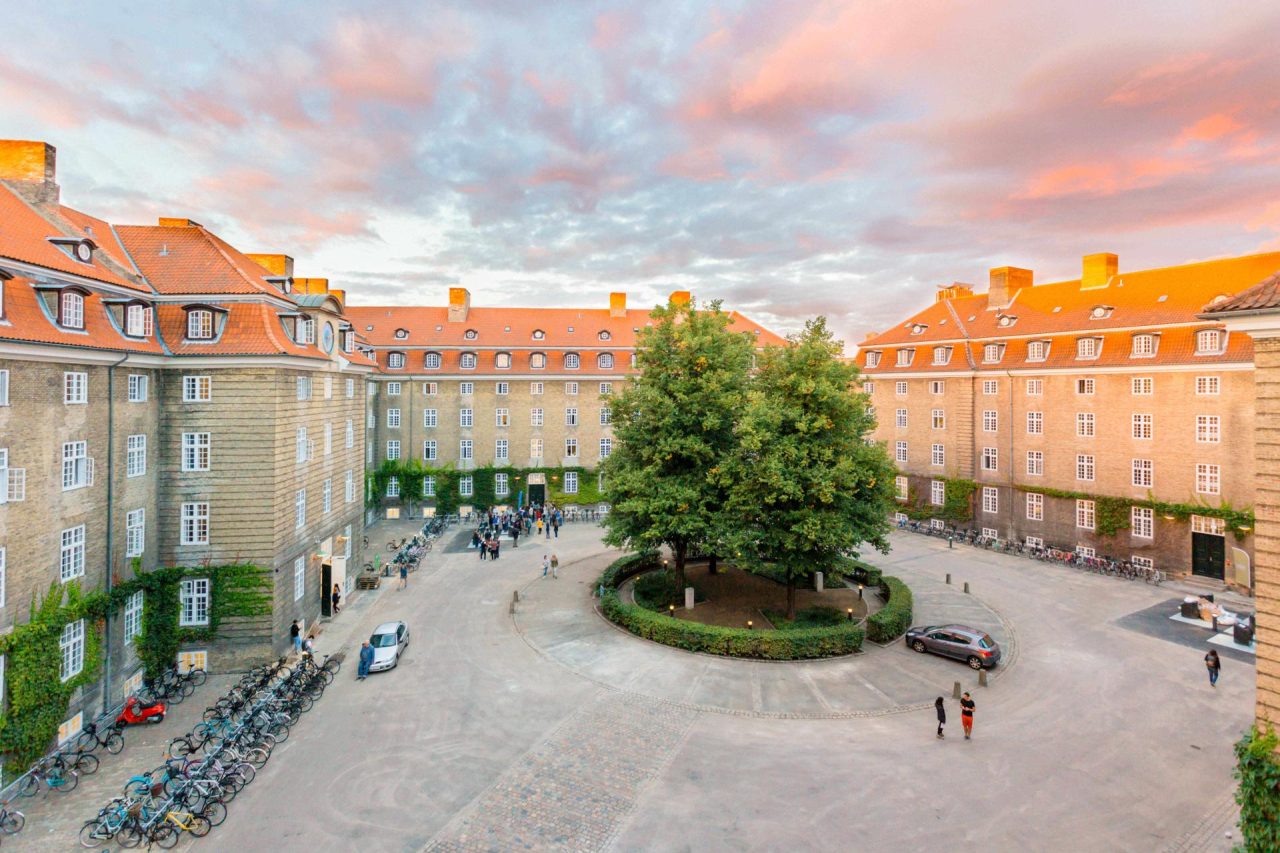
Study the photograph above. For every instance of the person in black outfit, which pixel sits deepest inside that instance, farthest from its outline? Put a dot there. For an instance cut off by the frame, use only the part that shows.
(1213, 663)
(942, 716)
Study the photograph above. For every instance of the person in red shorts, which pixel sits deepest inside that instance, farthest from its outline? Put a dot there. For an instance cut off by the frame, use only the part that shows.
(966, 714)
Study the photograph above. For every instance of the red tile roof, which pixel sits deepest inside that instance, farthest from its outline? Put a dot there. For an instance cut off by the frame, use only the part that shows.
(26, 321)
(191, 260)
(1263, 296)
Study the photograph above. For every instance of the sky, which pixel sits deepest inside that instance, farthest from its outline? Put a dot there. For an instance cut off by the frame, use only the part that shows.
(788, 158)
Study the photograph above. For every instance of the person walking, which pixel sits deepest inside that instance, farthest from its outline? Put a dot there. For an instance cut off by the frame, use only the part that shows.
(336, 598)
(308, 646)
(942, 717)
(555, 566)
(539, 526)
(366, 658)
(515, 535)
(484, 547)
(546, 565)
(404, 576)
(966, 714)
(497, 548)
(1213, 663)
(555, 523)
(295, 635)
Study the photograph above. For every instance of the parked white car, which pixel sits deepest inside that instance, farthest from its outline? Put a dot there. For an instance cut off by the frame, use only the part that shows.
(389, 641)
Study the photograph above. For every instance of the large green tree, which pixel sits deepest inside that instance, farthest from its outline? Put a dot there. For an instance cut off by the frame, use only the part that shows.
(805, 486)
(675, 430)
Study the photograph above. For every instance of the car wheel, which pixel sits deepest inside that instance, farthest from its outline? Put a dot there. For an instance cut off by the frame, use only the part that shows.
(919, 646)
(975, 662)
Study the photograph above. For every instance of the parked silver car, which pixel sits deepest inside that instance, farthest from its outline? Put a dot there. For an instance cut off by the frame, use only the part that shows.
(961, 642)
(389, 641)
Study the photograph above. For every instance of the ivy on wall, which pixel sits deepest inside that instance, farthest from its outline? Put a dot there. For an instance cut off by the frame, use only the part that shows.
(38, 698)
(957, 504)
(1113, 514)
(410, 475)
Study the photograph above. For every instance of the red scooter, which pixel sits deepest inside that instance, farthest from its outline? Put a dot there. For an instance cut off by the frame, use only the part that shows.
(135, 712)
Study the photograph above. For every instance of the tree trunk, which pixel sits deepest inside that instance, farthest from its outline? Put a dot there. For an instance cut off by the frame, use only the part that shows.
(791, 598)
(680, 550)
(711, 565)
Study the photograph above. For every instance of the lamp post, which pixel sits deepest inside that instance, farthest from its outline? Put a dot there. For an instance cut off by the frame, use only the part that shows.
(671, 610)
(850, 612)
(748, 624)
(859, 592)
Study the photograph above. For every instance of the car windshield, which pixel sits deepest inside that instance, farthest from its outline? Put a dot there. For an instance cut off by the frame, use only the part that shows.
(986, 642)
(382, 641)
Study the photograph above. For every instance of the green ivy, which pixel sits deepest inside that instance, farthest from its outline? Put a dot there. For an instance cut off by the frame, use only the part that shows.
(1112, 514)
(38, 698)
(1258, 770)
(411, 473)
(957, 504)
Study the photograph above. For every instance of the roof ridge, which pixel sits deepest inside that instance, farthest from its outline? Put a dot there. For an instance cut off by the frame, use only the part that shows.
(216, 242)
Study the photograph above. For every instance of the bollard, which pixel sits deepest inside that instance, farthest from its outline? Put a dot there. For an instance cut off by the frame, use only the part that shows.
(512, 608)
(982, 678)
(955, 691)
(951, 542)
(948, 578)
(817, 581)
(966, 587)
(688, 598)
(515, 596)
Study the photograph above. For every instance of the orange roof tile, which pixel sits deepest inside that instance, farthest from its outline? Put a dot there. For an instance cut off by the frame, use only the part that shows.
(26, 321)
(191, 260)
(252, 328)
(1263, 296)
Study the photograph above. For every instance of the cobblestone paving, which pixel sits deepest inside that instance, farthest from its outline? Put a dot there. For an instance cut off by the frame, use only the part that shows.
(1215, 833)
(574, 790)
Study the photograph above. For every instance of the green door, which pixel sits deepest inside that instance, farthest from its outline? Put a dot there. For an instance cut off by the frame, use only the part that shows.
(1208, 555)
(537, 494)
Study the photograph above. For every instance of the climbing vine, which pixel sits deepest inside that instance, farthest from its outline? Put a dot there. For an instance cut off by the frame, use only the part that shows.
(411, 474)
(1113, 514)
(1258, 770)
(957, 503)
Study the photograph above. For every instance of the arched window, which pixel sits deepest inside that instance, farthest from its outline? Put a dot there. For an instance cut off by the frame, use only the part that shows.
(71, 310)
(471, 334)
(571, 361)
(468, 361)
(605, 361)
(137, 321)
(199, 324)
(1208, 340)
(431, 361)
(401, 334)
(538, 334)
(538, 361)
(604, 335)
(502, 361)
(395, 360)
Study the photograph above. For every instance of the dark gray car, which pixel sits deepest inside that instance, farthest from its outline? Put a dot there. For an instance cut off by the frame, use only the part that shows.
(961, 642)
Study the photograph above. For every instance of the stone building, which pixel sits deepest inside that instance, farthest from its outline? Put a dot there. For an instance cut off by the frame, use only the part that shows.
(166, 400)
(465, 388)
(1102, 414)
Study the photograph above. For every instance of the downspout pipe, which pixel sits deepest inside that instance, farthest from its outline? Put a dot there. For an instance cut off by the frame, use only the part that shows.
(1012, 464)
(111, 524)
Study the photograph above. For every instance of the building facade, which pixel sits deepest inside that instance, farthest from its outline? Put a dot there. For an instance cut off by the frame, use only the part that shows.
(1102, 414)
(166, 400)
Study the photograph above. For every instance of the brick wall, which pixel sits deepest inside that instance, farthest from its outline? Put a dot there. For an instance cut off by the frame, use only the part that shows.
(1267, 567)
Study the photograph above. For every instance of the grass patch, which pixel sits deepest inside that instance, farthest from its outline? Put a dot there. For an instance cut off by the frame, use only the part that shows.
(810, 617)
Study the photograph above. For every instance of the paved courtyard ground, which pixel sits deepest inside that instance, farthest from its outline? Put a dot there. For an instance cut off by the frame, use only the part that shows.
(549, 729)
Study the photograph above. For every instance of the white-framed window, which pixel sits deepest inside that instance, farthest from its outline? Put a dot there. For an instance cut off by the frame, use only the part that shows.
(197, 389)
(990, 387)
(1207, 386)
(393, 450)
(430, 418)
(941, 355)
(1143, 473)
(393, 419)
(393, 487)
(466, 417)
(1035, 507)
(606, 447)
(466, 449)
(135, 532)
(1143, 426)
(466, 486)
(75, 388)
(900, 451)
(133, 615)
(1035, 463)
(501, 485)
(1141, 562)
(393, 389)
(192, 660)
(571, 417)
(1035, 387)
(1208, 429)
(1084, 424)
(349, 487)
(195, 523)
(535, 417)
(1142, 522)
(502, 389)
(606, 388)
(938, 418)
(900, 487)
(604, 361)
(71, 559)
(937, 492)
(77, 467)
(1085, 515)
(195, 451)
(1208, 479)
(1034, 542)
(1087, 348)
(905, 356)
(990, 459)
(990, 499)
(1037, 350)
(304, 387)
(1144, 346)
(328, 387)
(606, 416)
(571, 447)
(135, 456)
(570, 482)
(199, 325)
(138, 383)
(193, 596)
(299, 578)
(326, 495)
(349, 436)
(535, 389)
(429, 450)
(72, 314)
(538, 361)
(990, 420)
(502, 417)
(395, 360)
(1208, 524)
(1084, 467)
(1085, 551)
(571, 389)
(900, 418)
(900, 389)
(937, 386)
(1208, 342)
(938, 455)
(301, 452)
(501, 449)
(467, 361)
(431, 361)
(4, 387)
(71, 645)
(300, 509)
(1084, 386)
(351, 389)
(991, 353)
(429, 487)
(873, 359)
(502, 361)
(571, 361)
(1035, 423)
(535, 448)
(306, 330)
(1142, 386)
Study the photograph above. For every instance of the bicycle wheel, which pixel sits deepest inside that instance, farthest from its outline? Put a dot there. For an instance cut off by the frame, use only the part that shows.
(186, 688)
(215, 812)
(69, 780)
(86, 763)
(129, 835)
(28, 786)
(164, 836)
(92, 834)
(115, 743)
(11, 822)
(199, 826)
(198, 676)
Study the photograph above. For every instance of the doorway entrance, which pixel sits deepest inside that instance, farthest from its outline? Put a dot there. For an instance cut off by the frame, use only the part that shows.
(537, 489)
(1208, 555)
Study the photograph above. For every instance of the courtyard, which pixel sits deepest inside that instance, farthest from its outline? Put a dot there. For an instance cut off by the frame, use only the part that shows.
(551, 729)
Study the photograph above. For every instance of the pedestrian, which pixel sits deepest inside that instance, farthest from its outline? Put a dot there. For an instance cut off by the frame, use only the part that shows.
(366, 658)
(404, 575)
(308, 646)
(1213, 663)
(539, 524)
(555, 566)
(497, 547)
(555, 523)
(546, 565)
(484, 547)
(295, 635)
(966, 714)
(337, 598)
(942, 716)
(547, 527)
(515, 535)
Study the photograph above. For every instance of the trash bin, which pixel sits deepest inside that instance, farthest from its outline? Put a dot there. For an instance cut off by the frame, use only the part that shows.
(1191, 607)
(1243, 631)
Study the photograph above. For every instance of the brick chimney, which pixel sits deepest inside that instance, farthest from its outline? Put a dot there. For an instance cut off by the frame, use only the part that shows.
(955, 290)
(311, 285)
(178, 222)
(277, 265)
(459, 304)
(1098, 270)
(680, 297)
(617, 304)
(30, 168)
(1005, 283)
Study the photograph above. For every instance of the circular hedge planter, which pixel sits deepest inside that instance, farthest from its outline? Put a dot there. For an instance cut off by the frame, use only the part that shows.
(803, 644)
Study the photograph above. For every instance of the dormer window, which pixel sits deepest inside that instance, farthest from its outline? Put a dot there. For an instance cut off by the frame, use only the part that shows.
(918, 329)
(1086, 348)
(471, 334)
(395, 360)
(1208, 342)
(873, 358)
(1037, 350)
(1144, 346)
(1004, 321)
(345, 337)
(200, 324)
(80, 250)
(604, 361)
(401, 334)
(502, 361)
(431, 361)
(1101, 312)
(306, 330)
(905, 356)
(571, 361)
(71, 310)
(538, 361)
(538, 334)
(605, 335)
(941, 355)
(137, 321)
(467, 361)
(992, 353)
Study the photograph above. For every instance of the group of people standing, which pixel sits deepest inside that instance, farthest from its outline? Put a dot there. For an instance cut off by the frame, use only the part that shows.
(530, 520)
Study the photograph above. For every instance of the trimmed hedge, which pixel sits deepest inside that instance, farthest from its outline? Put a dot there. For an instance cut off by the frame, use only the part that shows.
(859, 572)
(732, 642)
(893, 620)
